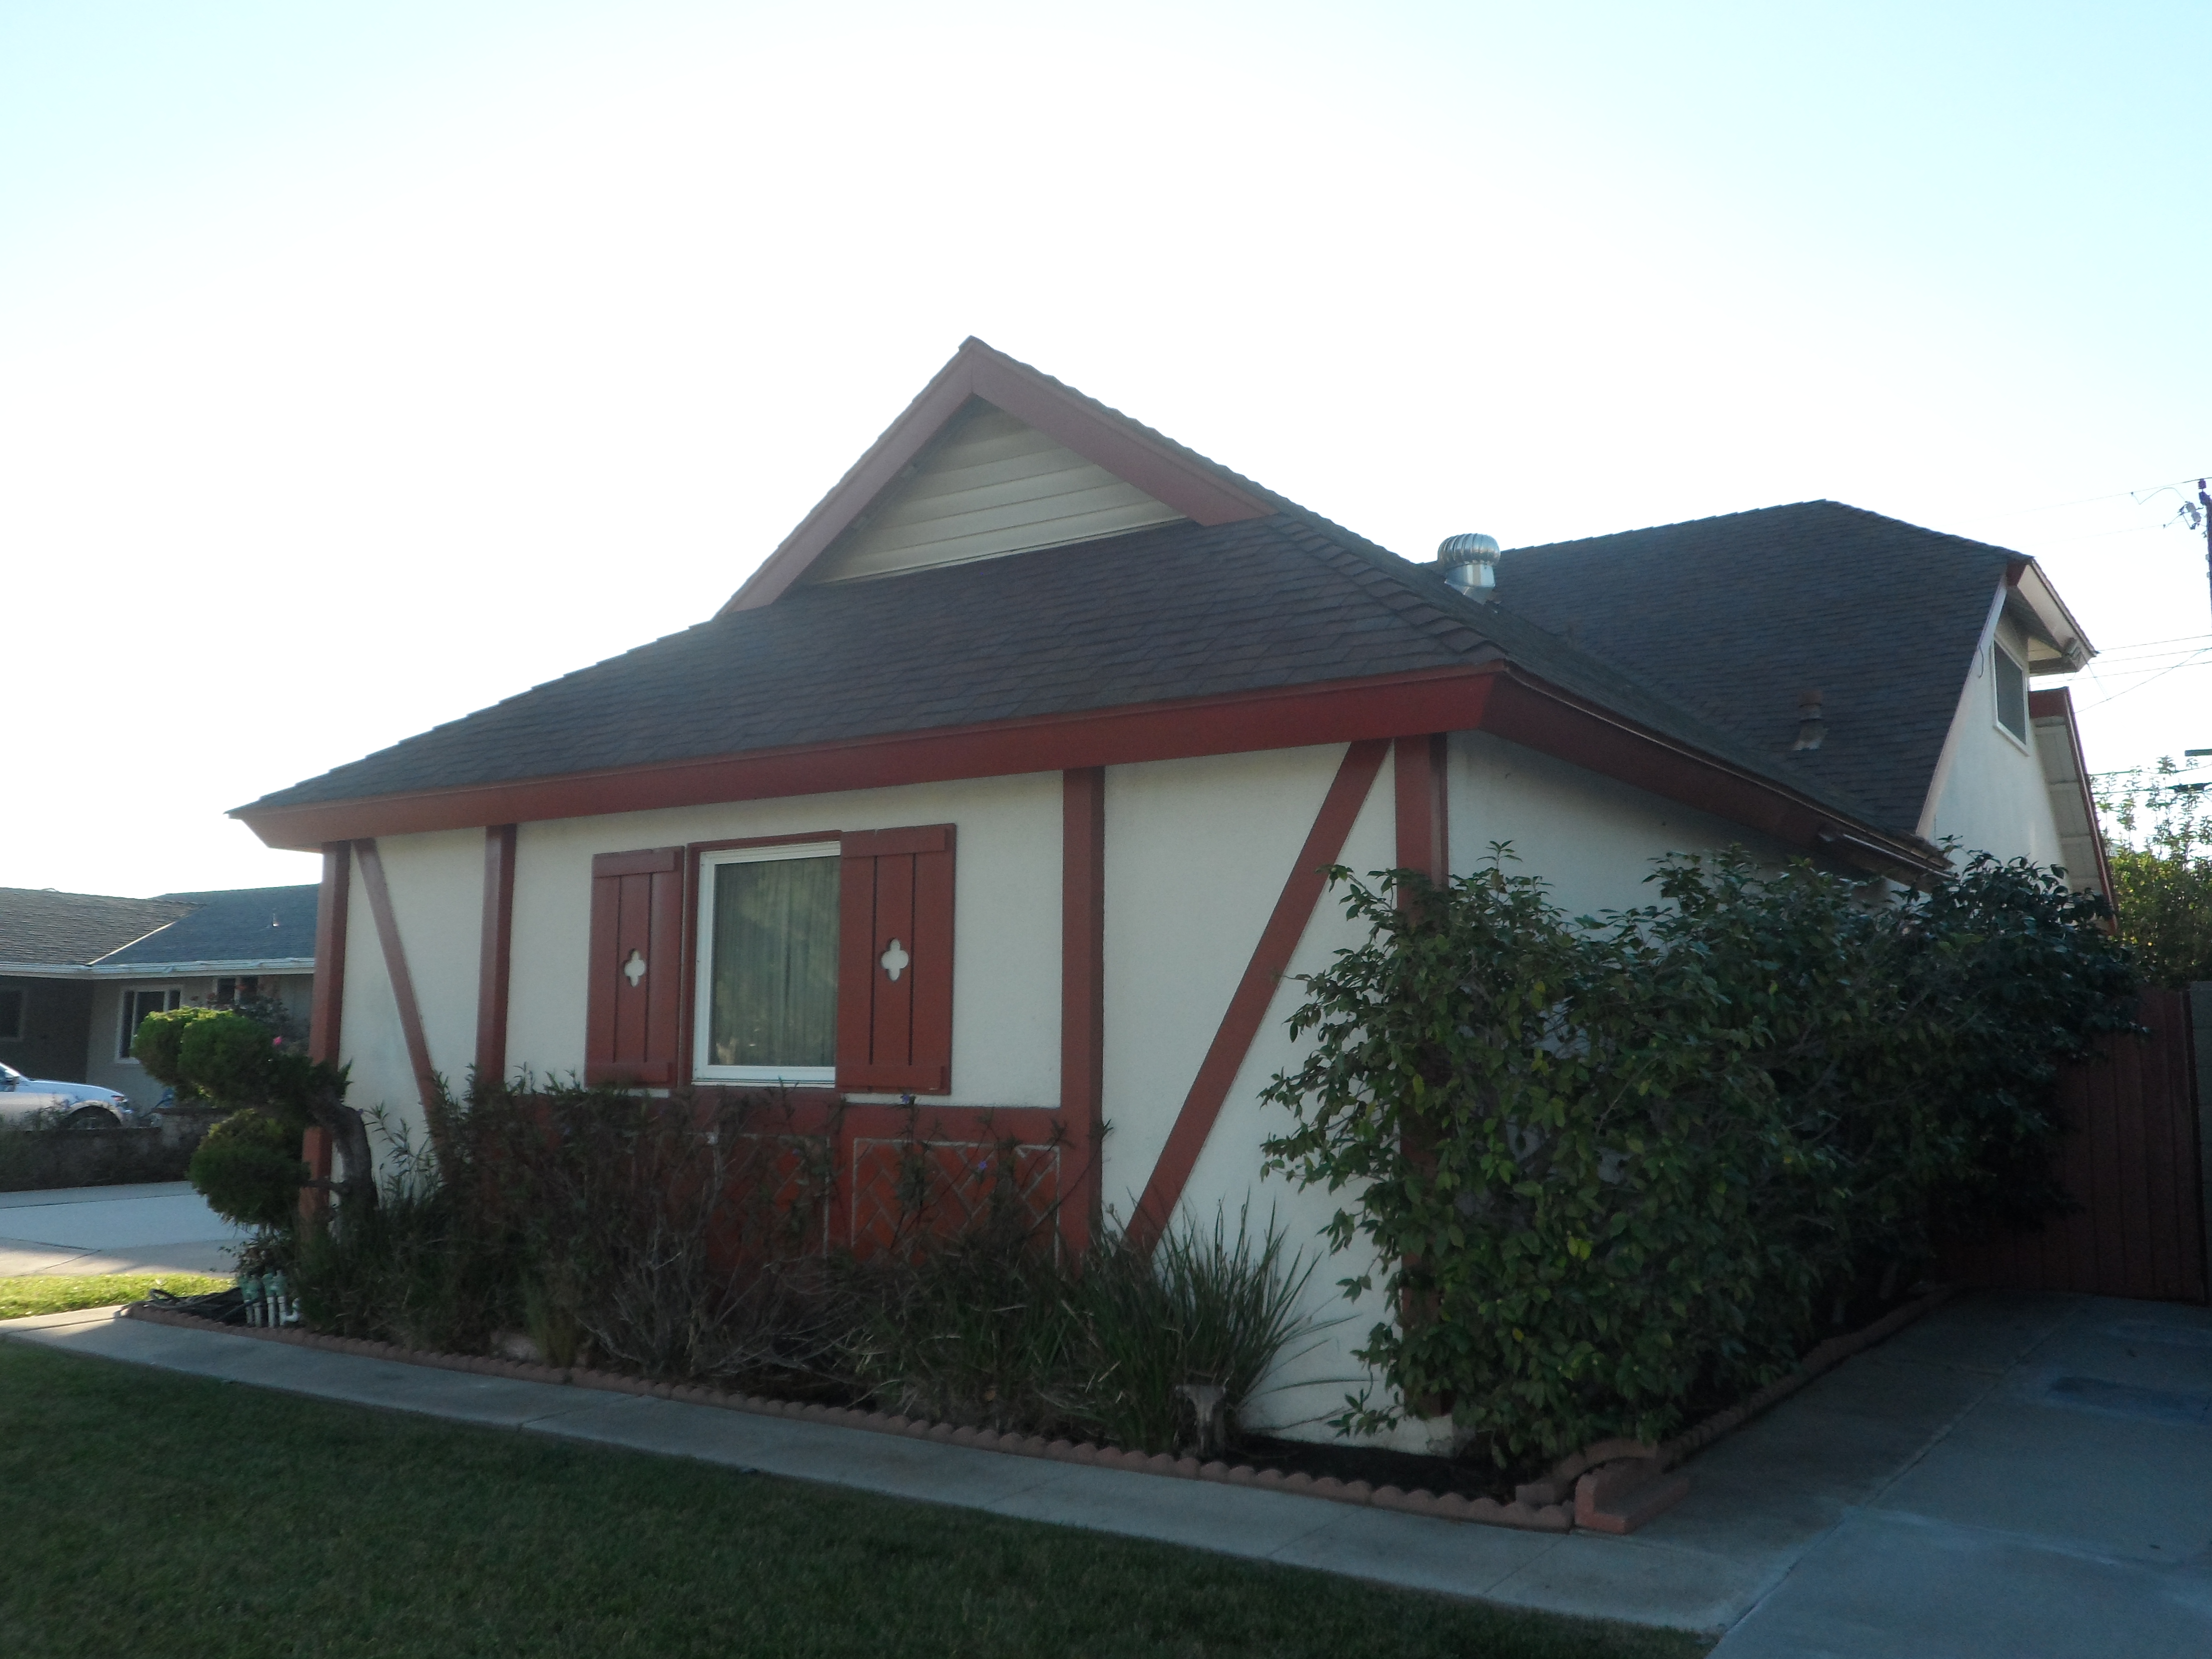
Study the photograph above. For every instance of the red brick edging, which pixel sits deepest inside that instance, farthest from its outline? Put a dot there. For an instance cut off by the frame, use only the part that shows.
(1613, 1486)
(1616, 1485)
(1450, 1506)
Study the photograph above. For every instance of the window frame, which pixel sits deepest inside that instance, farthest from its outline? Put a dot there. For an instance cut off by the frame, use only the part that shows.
(699, 956)
(1997, 697)
(174, 998)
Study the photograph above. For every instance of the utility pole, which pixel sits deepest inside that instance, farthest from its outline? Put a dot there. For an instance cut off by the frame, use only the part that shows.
(2204, 523)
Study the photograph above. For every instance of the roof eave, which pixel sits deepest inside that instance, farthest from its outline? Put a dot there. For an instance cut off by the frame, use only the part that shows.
(1491, 696)
(2049, 618)
(158, 969)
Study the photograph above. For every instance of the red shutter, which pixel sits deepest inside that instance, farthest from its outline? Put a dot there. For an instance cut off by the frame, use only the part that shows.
(895, 1036)
(637, 910)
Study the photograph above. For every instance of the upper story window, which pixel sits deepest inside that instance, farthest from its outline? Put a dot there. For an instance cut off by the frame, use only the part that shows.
(2010, 680)
(768, 965)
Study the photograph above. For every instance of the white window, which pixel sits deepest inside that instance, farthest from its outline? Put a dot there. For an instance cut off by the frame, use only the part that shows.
(767, 1009)
(137, 1005)
(2010, 680)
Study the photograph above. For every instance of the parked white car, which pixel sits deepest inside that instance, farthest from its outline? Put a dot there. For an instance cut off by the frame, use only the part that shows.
(28, 1103)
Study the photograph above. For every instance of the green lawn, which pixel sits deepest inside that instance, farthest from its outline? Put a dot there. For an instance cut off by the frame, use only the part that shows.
(37, 1294)
(150, 1513)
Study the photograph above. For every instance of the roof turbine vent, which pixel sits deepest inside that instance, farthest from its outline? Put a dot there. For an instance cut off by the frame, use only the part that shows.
(1469, 563)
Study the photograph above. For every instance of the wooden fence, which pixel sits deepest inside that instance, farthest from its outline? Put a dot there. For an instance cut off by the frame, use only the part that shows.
(2136, 1163)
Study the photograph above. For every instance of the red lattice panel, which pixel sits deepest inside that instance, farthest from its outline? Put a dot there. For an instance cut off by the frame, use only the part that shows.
(905, 1190)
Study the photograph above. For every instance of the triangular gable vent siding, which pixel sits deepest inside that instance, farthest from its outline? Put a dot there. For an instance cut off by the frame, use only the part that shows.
(990, 486)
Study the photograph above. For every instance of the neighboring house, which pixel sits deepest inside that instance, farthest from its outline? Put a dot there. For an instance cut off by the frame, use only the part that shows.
(79, 971)
(1034, 678)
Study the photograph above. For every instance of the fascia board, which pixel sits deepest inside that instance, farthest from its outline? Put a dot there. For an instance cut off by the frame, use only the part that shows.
(156, 970)
(2051, 619)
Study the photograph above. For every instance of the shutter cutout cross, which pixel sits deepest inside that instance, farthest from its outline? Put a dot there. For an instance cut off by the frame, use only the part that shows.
(633, 1019)
(895, 961)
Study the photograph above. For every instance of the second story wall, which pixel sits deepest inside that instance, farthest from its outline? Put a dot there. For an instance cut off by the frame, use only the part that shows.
(1990, 792)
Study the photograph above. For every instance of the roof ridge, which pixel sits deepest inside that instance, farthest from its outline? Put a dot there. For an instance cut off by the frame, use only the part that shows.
(1719, 519)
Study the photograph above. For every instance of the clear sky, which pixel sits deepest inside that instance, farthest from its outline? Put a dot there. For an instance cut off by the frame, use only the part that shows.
(362, 365)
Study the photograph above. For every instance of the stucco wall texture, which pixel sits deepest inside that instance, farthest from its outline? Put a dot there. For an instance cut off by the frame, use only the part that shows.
(1197, 852)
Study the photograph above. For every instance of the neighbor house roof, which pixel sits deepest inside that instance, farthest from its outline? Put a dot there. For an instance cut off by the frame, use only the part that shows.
(237, 925)
(39, 924)
(1736, 617)
(91, 935)
(1246, 596)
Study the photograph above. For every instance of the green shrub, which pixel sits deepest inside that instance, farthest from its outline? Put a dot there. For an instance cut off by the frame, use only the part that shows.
(159, 1038)
(1609, 1168)
(248, 1169)
(997, 1327)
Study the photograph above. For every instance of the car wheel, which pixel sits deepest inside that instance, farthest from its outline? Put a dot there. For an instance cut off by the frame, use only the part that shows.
(91, 1117)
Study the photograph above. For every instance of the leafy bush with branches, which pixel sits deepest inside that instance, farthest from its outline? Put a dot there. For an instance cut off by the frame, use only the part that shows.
(2161, 865)
(248, 1169)
(683, 1237)
(1612, 1167)
(235, 1062)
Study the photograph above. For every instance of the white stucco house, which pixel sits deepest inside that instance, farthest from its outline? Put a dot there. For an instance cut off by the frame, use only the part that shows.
(1004, 782)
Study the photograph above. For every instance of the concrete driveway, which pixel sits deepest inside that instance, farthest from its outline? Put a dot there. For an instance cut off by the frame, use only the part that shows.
(2018, 1475)
(162, 1227)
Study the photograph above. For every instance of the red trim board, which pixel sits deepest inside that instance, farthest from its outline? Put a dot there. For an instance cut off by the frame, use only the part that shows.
(495, 954)
(1247, 1008)
(326, 1003)
(1083, 994)
(1491, 697)
(395, 964)
(1344, 711)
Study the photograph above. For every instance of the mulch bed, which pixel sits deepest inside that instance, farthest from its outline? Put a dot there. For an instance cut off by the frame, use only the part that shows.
(1597, 1487)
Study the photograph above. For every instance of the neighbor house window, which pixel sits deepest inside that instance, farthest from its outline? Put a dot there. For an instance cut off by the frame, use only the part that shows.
(767, 973)
(137, 1005)
(2012, 691)
(14, 1004)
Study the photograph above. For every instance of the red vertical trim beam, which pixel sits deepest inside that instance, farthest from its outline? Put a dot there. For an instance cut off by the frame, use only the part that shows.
(495, 959)
(1083, 997)
(326, 1007)
(1417, 772)
(395, 964)
(1247, 1008)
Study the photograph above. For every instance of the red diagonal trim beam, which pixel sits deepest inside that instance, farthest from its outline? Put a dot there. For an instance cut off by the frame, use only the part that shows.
(395, 964)
(1271, 960)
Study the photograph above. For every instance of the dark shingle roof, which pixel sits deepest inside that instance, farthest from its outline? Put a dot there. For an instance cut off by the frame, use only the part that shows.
(39, 926)
(1179, 611)
(242, 924)
(1734, 616)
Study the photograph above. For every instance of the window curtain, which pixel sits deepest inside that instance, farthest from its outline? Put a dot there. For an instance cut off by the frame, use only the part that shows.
(775, 998)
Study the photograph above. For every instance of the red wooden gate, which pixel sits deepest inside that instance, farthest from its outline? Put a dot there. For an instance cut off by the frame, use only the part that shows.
(2134, 1163)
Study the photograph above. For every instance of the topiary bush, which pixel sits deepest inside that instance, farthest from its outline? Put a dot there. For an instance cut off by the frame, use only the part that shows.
(158, 1042)
(1610, 1168)
(249, 1170)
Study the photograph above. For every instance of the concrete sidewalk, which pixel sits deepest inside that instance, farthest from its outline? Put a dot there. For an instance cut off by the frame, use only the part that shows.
(2013, 1475)
(160, 1227)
